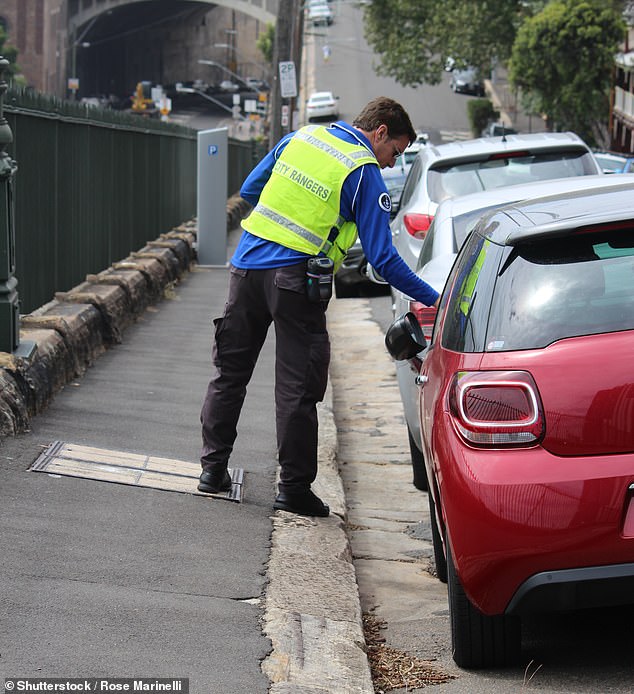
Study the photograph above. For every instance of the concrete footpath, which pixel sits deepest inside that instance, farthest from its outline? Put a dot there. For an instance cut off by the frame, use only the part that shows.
(111, 575)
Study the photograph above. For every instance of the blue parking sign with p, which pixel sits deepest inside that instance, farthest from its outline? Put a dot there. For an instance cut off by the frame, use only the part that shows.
(212, 150)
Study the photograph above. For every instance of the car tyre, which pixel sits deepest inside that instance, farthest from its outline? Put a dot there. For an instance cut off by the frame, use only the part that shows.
(418, 464)
(479, 640)
(439, 552)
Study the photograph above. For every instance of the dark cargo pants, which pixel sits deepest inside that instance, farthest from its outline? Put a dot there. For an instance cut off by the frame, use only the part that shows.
(302, 355)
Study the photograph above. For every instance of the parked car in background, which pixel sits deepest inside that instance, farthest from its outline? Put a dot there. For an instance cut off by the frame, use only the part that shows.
(319, 13)
(454, 220)
(322, 105)
(256, 84)
(396, 175)
(352, 276)
(98, 101)
(466, 81)
(409, 153)
(526, 411)
(613, 162)
(229, 86)
(460, 168)
(395, 178)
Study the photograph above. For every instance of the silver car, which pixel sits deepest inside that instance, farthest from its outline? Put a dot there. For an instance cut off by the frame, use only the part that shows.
(466, 81)
(459, 168)
(454, 220)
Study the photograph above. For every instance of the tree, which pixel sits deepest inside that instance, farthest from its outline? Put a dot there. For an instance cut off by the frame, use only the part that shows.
(480, 112)
(10, 53)
(414, 38)
(265, 43)
(398, 31)
(563, 60)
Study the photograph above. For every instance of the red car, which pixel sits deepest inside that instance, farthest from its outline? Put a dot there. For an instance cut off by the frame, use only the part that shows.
(527, 417)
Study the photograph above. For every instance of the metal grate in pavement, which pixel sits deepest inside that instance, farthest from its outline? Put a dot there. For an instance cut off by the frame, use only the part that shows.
(138, 470)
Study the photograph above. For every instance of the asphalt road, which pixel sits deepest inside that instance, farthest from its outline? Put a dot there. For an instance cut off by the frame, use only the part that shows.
(349, 74)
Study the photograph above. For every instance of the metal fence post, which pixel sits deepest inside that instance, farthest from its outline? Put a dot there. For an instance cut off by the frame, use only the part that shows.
(9, 305)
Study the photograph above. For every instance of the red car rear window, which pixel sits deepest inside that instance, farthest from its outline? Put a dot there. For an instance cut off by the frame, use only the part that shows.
(579, 285)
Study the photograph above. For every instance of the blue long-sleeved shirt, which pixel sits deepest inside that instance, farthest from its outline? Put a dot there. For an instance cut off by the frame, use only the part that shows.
(362, 192)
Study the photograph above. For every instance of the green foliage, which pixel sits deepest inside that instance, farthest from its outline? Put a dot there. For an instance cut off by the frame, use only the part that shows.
(265, 43)
(9, 53)
(480, 32)
(399, 32)
(414, 38)
(480, 112)
(563, 60)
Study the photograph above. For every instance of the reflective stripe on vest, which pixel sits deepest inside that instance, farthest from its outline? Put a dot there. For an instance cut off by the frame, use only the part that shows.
(304, 233)
(300, 204)
(350, 160)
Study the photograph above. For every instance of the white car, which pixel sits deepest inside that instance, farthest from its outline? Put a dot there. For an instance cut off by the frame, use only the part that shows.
(229, 86)
(322, 105)
(409, 153)
(319, 14)
(256, 84)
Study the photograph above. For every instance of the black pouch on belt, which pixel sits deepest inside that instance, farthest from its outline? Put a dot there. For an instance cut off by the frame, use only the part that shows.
(319, 273)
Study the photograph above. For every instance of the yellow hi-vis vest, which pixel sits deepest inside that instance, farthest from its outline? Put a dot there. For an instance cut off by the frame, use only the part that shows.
(299, 205)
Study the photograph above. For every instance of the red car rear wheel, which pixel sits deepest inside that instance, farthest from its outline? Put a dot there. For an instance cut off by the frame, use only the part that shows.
(479, 640)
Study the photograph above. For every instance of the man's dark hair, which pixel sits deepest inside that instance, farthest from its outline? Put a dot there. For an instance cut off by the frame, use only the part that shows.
(385, 111)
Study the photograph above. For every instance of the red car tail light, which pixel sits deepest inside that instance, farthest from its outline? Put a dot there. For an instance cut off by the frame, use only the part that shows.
(417, 224)
(425, 316)
(496, 408)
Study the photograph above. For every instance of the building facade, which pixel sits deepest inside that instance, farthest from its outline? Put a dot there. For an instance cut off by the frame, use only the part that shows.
(622, 113)
(35, 28)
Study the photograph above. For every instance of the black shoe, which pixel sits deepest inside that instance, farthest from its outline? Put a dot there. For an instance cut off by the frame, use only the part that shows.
(302, 503)
(214, 481)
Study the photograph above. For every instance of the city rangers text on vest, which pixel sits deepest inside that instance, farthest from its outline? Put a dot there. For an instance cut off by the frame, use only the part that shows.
(310, 184)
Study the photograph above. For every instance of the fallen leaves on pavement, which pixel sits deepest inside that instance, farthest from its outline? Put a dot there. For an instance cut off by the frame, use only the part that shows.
(394, 669)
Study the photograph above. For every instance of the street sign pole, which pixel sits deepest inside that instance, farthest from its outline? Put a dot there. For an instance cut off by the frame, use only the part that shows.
(288, 79)
(288, 90)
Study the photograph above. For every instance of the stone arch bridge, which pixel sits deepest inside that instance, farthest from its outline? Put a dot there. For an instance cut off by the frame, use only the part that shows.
(83, 11)
(114, 44)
